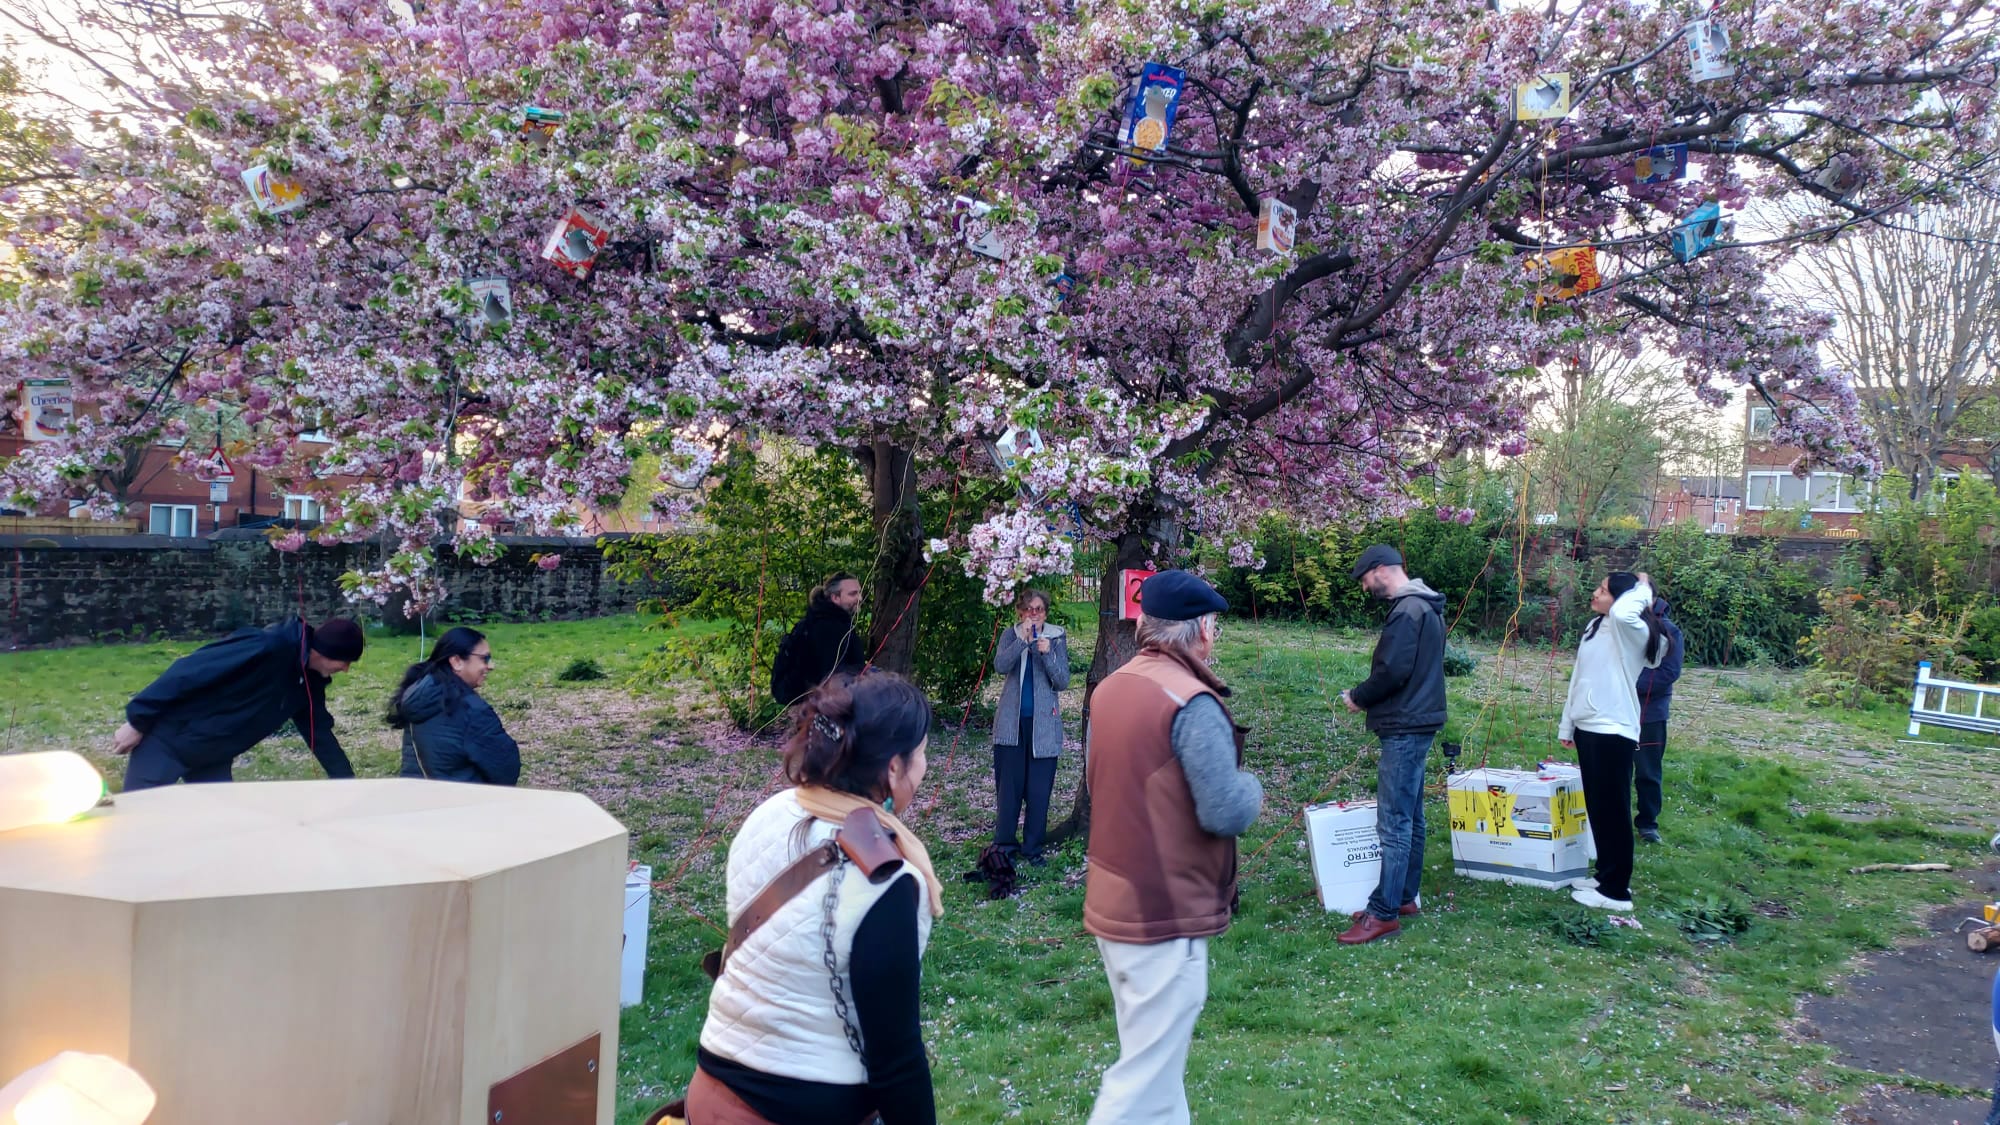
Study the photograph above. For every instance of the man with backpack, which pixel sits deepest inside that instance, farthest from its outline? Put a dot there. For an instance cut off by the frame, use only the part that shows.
(822, 643)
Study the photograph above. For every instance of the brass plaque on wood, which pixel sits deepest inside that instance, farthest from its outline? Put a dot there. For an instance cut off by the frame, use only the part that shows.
(559, 1090)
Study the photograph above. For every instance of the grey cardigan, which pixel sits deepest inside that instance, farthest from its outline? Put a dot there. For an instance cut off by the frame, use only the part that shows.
(1051, 672)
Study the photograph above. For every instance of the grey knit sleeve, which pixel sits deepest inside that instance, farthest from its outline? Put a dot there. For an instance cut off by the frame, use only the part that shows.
(1226, 799)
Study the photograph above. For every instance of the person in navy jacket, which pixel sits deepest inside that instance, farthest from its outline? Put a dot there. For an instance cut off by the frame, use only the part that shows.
(449, 732)
(1656, 694)
(218, 701)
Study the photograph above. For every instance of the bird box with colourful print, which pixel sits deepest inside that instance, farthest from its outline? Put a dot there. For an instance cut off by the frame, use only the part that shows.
(1565, 273)
(1708, 51)
(575, 243)
(1277, 226)
(1149, 120)
(1696, 233)
(272, 193)
(1545, 97)
(1661, 163)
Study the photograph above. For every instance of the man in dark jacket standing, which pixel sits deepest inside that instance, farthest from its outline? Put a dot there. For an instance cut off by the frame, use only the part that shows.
(220, 700)
(1656, 693)
(1404, 698)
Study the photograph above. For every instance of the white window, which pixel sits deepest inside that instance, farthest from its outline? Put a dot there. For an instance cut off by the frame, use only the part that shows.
(302, 508)
(172, 519)
(1825, 492)
(1762, 418)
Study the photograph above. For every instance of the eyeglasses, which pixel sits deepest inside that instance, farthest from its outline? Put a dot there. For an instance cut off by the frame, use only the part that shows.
(1036, 610)
(485, 656)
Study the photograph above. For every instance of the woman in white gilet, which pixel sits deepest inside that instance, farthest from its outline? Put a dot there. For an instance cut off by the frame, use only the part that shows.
(1600, 721)
(813, 1019)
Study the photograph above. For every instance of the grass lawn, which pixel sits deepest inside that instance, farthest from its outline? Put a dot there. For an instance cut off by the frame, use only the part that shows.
(1486, 1009)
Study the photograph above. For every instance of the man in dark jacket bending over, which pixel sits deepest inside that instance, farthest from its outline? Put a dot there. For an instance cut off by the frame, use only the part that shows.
(1404, 698)
(220, 700)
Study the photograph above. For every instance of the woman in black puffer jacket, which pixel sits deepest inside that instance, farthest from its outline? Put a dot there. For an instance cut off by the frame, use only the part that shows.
(449, 732)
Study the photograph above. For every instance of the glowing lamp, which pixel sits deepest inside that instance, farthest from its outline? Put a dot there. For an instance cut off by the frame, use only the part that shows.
(46, 788)
(77, 1089)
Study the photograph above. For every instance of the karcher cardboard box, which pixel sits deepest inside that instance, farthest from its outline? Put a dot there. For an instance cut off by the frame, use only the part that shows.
(1519, 826)
(1346, 853)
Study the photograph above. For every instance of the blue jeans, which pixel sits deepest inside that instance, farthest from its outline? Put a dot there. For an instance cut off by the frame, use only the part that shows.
(1399, 821)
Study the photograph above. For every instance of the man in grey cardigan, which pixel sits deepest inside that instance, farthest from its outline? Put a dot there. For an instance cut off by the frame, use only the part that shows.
(1027, 729)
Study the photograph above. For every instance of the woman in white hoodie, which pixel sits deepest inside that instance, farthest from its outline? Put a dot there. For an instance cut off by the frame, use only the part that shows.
(1600, 721)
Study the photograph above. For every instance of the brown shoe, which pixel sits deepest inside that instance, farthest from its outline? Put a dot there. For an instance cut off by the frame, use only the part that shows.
(1368, 929)
(1407, 910)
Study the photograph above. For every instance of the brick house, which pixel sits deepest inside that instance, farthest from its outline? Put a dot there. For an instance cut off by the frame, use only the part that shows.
(165, 501)
(1715, 503)
(1776, 502)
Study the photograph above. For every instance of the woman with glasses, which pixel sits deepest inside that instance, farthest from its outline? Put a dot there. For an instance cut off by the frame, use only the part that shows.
(449, 732)
(1027, 729)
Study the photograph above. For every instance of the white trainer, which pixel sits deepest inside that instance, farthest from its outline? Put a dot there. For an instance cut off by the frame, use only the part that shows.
(1587, 883)
(1595, 901)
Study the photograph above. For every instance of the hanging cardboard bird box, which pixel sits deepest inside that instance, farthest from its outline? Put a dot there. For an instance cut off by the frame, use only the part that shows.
(1708, 51)
(272, 193)
(575, 243)
(492, 302)
(1277, 225)
(1545, 97)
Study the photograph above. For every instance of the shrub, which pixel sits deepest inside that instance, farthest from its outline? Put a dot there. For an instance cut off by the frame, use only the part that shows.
(773, 528)
(1734, 606)
(1867, 647)
(1459, 661)
(582, 669)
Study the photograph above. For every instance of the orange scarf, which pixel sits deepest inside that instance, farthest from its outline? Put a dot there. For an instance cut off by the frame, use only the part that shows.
(833, 806)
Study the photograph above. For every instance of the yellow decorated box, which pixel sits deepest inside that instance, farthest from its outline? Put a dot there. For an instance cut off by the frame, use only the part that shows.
(1519, 826)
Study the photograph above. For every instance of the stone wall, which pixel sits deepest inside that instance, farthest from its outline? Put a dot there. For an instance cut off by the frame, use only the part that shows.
(74, 590)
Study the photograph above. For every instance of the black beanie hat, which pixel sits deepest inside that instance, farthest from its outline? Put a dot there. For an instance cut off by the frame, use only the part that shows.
(338, 638)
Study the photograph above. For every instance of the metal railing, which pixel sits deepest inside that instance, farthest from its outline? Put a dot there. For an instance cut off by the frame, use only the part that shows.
(1931, 705)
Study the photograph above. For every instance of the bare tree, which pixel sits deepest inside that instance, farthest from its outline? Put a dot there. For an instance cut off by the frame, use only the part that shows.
(1919, 323)
(1606, 428)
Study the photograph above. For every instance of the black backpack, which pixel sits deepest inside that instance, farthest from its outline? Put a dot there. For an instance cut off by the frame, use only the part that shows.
(788, 672)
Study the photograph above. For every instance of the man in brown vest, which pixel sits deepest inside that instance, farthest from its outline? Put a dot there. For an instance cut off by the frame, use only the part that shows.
(1169, 796)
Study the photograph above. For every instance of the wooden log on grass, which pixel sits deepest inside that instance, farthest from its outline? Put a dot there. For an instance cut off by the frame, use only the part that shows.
(1867, 867)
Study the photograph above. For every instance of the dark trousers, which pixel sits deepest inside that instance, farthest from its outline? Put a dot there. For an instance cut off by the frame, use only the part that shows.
(1018, 774)
(153, 764)
(1993, 1118)
(1648, 763)
(1606, 762)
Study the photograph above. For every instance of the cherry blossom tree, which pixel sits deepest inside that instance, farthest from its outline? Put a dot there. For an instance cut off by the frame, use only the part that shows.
(909, 227)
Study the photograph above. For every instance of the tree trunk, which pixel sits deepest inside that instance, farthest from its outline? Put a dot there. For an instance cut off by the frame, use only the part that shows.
(899, 563)
(1117, 642)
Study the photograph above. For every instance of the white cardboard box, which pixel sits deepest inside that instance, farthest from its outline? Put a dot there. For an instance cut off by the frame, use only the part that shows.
(1519, 826)
(638, 916)
(1346, 853)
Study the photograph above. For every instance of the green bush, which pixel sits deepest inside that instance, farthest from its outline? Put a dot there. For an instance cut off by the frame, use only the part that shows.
(1982, 641)
(1733, 606)
(1306, 571)
(580, 670)
(1458, 661)
(773, 528)
(1868, 647)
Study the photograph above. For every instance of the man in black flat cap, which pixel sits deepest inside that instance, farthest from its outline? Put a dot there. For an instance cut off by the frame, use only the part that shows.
(1404, 698)
(1169, 796)
(218, 701)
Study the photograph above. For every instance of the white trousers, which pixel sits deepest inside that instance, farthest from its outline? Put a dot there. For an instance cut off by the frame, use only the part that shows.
(1159, 990)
